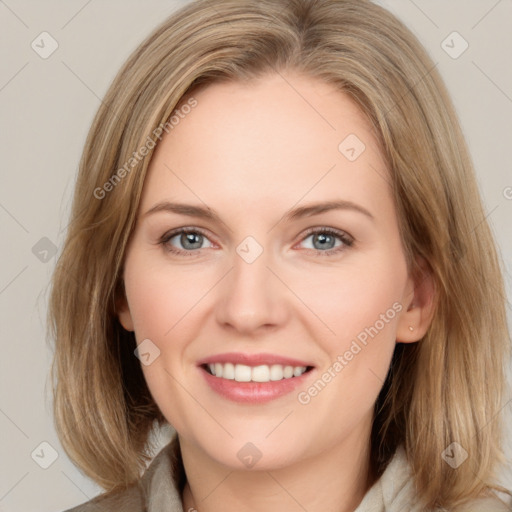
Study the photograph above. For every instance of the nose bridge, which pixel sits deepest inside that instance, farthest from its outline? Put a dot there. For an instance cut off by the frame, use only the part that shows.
(251, 297)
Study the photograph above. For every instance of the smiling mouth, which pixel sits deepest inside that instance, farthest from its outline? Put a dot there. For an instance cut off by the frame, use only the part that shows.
(260, 373)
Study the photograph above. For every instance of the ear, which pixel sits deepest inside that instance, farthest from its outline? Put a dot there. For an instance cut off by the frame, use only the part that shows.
(123, 309)
(419, 303)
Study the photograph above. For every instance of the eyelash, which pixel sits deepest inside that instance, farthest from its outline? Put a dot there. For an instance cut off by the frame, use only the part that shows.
(347, 240)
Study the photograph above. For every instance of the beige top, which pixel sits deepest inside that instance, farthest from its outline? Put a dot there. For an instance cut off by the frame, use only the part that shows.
(157, 491)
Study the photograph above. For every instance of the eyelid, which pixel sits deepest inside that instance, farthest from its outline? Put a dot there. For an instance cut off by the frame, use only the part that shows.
(346, 239)
(168, 235)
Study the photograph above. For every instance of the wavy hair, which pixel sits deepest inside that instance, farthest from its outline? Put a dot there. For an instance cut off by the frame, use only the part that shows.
(447, 387)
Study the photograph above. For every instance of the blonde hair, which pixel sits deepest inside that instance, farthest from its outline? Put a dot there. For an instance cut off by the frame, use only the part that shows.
(446, 388)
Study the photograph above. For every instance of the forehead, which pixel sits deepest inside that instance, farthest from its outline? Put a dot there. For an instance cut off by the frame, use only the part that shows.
(268, 141)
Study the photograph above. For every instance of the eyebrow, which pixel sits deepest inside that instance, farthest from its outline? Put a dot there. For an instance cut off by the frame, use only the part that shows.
(203, 212)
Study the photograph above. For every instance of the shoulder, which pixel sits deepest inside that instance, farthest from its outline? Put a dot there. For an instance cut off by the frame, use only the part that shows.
(128, 500)
(490, 504)
(396, 486)
(157, 490)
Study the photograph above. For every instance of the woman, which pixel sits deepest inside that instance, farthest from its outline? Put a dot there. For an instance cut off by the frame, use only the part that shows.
(277, 246)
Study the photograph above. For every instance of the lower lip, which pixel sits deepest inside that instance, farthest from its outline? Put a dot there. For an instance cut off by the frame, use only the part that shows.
(253, 392)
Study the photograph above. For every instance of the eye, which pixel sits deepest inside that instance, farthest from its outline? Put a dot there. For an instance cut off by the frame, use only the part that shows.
(326, 240)
(185, 241)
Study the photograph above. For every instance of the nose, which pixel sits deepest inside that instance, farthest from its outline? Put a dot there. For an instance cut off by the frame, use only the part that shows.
(251, 299)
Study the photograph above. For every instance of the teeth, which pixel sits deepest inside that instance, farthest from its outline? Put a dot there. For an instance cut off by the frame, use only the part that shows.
(298, 371)
(261, 373)
(228, 371)
(276, 372)
(242, 373)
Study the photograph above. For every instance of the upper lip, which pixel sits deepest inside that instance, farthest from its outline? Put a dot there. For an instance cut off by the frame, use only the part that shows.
(252, 359)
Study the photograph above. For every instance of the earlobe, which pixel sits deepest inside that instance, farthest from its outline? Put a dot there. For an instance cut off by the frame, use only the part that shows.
(416, 319)
(125, 319)
(123, 312)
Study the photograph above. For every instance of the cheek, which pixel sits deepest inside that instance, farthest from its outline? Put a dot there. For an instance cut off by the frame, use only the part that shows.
(360, 306)
(356, 297)
(149, 306)
(160, 298)
(163, 305)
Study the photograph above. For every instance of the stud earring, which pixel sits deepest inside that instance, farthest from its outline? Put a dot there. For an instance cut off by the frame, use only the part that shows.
(411, 328)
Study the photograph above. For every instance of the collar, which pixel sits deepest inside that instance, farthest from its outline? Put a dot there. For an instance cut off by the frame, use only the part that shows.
(161, 483)
(393, 492)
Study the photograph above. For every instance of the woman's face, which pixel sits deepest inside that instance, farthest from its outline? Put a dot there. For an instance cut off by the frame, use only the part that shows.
(291, 261)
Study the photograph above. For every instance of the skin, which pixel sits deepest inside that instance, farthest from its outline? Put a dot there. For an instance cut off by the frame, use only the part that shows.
(251, 152)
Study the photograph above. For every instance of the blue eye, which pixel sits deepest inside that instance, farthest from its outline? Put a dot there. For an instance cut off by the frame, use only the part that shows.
(185, 241)
(323, 241)
(327, 240)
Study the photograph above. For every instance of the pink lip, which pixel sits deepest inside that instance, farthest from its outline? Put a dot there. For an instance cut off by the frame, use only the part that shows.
(253, 392)
(252, 359)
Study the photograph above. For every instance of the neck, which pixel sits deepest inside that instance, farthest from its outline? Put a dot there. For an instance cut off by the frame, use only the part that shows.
(334, 480)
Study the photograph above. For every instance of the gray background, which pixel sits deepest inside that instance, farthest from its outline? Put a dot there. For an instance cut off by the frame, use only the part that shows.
(47, 106)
